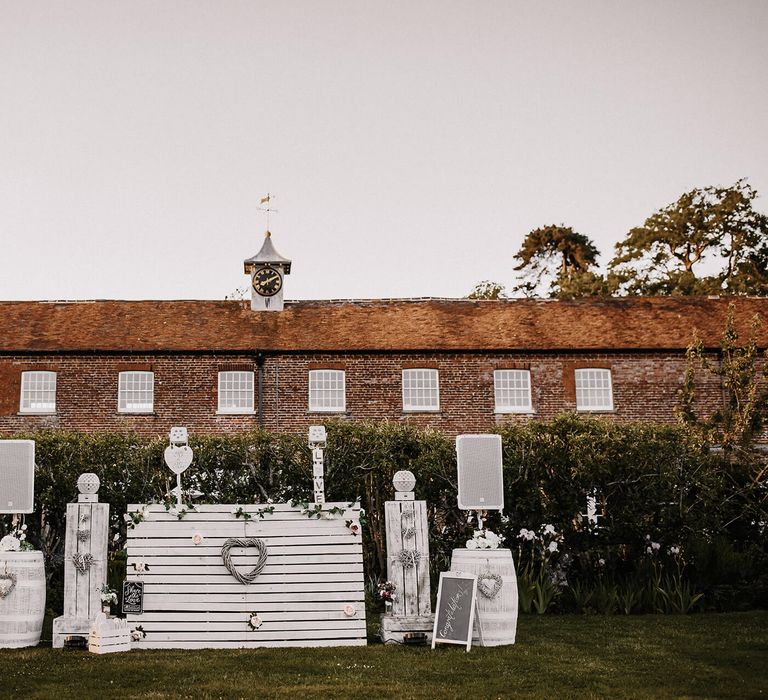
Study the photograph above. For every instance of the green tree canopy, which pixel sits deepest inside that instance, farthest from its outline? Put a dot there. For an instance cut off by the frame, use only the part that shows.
(557, 257)
(488, 290)
(710, 229)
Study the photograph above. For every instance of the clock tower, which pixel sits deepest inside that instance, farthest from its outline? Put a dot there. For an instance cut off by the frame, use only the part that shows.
(267, 270)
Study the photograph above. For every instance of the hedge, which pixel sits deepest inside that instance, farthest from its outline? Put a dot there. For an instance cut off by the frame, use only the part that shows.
(651, 482)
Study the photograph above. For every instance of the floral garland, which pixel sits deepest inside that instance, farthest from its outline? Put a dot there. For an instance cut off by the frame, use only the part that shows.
(261, 512)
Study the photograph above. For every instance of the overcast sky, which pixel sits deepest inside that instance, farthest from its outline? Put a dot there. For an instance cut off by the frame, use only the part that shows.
(411, 145)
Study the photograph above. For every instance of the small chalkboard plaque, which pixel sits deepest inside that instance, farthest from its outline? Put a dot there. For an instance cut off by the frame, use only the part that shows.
(133, 597)
(455, 614)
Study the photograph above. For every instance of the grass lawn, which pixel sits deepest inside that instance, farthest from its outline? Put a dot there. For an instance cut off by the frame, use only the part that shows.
(713, 655)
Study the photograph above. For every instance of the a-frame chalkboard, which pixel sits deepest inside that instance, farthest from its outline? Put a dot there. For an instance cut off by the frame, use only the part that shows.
(455, 612)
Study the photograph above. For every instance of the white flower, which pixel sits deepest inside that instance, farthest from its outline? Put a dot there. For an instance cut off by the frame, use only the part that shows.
(601, 561)
(552, 546)
(197, 538)
(9, 543)
(269, 500)
(127, 517)
(549, 529)
(674, 550)
(136, 635)
(22, 537)
(116, 537)
(527, 534)
(656, 546)
(472, 544)
(649, 550)
(24, 526)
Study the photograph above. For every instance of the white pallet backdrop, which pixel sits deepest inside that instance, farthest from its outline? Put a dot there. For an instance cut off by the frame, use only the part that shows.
(314, 570)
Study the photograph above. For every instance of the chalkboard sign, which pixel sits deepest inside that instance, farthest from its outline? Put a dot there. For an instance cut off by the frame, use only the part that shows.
(133, 597)
(455, 615)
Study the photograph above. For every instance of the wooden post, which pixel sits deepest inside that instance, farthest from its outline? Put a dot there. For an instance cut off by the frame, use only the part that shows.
(407, 563)
(85, 561)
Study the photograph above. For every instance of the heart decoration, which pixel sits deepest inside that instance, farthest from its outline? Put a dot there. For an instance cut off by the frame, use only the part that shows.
(244, 542)
(489, 584)
(178, 459)
(7, 584)
(82, 562)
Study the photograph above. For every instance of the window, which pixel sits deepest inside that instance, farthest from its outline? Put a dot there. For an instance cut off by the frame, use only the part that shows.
(236, 392)
(421, 391)
(136, 392)
(593, 390)
(38, 392)
(327, 390)
(512, 389)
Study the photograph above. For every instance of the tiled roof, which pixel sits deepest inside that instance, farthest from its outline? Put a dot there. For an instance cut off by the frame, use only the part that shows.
(639, 323)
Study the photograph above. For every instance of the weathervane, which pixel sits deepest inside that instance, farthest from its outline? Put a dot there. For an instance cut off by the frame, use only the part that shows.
(266, 200)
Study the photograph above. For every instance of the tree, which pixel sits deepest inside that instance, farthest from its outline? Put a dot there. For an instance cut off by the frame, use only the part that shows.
(557, 256)
(736, 426)
(488, 290)
(710, 225)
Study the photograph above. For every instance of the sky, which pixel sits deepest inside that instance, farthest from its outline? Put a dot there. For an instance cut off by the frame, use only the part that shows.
(410, 145)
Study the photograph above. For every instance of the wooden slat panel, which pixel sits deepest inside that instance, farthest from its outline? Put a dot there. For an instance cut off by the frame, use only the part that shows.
(253, 635)
(238, 627)
(223, 578)
(206, 588)
(181, 551)
(356, 642)
(234, 604)
(313, 570)
(220, 617)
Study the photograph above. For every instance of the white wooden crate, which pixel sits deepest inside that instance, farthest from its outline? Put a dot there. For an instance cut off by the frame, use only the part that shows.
(313, 572)
(109, 635)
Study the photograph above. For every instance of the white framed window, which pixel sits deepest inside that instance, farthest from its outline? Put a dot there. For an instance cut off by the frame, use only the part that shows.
(236, 392)
(38, 392)
(512, 390)
(421, 390)
(136, 392)
(327, 390)
(594, 391)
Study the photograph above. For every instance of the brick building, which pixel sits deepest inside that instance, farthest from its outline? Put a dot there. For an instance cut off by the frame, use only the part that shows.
(457, 365)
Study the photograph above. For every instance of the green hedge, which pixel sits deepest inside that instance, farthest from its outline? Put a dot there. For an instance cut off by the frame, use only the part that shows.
(650, 481)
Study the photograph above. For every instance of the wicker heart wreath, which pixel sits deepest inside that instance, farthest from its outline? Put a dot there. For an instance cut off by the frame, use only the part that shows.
(7, 583)
(244, 542)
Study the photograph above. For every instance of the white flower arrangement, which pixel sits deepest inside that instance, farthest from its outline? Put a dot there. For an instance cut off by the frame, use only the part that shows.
(108, 595)
(485, 539)
(16, 540)
(255, 621)
(9, 543)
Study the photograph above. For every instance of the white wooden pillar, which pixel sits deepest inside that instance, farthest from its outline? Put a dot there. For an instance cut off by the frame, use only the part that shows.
(407, 563)
(85, 561)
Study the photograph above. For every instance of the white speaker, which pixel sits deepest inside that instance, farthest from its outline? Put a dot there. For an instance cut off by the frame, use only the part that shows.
(481, 484)
(17, 476)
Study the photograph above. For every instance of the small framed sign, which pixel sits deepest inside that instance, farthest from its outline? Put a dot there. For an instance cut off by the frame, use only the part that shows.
(455, 612)
(133, 597)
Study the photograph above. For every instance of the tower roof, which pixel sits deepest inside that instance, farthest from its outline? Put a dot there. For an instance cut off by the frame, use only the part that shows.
(267, 255)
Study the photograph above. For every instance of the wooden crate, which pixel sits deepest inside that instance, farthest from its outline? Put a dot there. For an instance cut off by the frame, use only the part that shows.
(312, 579)
(109, 635)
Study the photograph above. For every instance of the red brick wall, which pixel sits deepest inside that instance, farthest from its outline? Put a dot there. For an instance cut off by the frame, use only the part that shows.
(645, 387)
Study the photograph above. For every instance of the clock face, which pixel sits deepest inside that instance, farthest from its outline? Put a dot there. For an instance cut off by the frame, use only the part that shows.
(267, 281)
